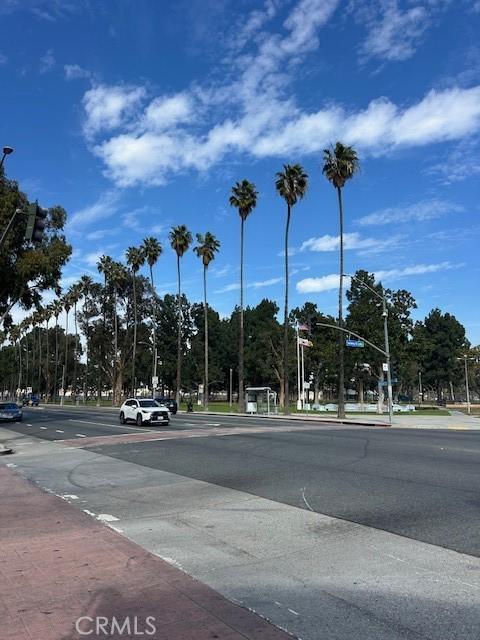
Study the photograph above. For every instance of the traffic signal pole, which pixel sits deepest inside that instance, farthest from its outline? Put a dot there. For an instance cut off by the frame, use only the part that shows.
(387, 355)
(10, 223)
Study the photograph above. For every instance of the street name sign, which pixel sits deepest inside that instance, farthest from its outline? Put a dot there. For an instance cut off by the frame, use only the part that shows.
(358, 344)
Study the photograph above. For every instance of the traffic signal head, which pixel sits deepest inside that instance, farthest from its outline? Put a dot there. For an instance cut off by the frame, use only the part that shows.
(37, 220)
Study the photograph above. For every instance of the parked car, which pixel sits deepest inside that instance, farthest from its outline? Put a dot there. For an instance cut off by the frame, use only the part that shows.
(144, 411)
(11, 412)
(170, 403)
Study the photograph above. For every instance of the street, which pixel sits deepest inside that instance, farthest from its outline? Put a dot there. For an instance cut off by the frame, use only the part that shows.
(329, 531)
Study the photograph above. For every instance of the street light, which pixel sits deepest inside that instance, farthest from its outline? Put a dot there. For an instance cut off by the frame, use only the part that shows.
(467, 387)
(6, 152)
(387, 342)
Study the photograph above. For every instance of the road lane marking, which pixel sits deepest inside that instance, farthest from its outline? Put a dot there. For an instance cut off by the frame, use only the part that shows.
(59, 431)
(106, 517)
(80, 435)
(106, 424)
(28, 425)
(43, 428)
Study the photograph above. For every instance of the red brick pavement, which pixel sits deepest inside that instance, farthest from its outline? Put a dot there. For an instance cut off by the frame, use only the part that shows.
(57, 564)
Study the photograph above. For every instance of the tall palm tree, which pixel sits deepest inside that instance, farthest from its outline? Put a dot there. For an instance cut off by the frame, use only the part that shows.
(339, 165)
(291, 185)
(75, 294)
(104, 266)
(66, 302)
(207, 247)
(135, 260)
(153, 250)
(57, 309)
(47, 317)
(86, 284)
(244, 198)
(180, 241)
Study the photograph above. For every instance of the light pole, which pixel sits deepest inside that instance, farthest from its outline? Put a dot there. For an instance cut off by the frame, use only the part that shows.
(467, 386)
(6, 152)
(231, 386)
(386, 338)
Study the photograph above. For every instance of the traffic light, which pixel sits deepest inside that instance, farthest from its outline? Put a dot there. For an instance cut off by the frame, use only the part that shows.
(37, 220)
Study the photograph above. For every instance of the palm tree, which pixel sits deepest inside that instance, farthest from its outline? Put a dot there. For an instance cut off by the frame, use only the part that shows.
(180, 241)
(208, 245)
(47, 318)
(135, 260)
(57, 309)
(291, 185)
(75, 294)
(244, 199)
(86, 284)
(104, 266)
(153, 250)
(67, 306)
(339, 165)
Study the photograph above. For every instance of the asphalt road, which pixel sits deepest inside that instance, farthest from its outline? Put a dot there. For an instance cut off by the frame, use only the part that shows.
(421, 485)
(65, 423)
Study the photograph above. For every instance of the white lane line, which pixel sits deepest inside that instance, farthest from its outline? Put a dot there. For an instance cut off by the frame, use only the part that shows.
(106, 517)
(294, 612)
(106, 424)
(305, 500)
(29, 425)
(80, 435)
(59, 431)
(11, 464)
(43, 428)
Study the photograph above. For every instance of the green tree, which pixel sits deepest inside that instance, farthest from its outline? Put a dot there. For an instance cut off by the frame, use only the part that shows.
(180, 241)
(339, 165)
(207, 247)
(244, 198)
(153, 250)
(75, 294)
(291, 185)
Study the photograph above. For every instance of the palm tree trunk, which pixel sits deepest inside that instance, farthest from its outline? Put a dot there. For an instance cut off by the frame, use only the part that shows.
(286, 405)
(205, 307)
(65, 366)
(134, 386)
(87, 335)
(39, 360)
(55, 380)
(154, 368)
(115, 399)
(75, 353)
(48, 365)
(179, 337)
(341, 363)
(19, 386)
(241, 347)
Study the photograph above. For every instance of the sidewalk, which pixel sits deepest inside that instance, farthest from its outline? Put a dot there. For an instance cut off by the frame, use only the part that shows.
(58, 564)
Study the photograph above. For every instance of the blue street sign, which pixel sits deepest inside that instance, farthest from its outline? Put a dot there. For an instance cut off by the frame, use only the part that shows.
(355, 343)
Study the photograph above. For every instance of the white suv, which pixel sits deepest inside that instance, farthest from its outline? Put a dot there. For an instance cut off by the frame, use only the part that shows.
(144, 411)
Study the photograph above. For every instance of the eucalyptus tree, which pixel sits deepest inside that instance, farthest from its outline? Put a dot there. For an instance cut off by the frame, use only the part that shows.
(86, 284)
(75, 294)
(180, 241)
(57, 307)
(135, 260)
(153, 250)
(339, 165)
(291, 184)
(244, 198)
(207, 247)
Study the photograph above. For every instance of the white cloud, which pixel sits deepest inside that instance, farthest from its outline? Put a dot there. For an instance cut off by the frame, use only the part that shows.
(47, 61)
(461, 163)
(259, 284)
(317, 285)
(104, 207)
(74, 72)
(165, 112)
(250, 113)
(332, 281)
(98, 234)
(351, 241)
(93, 257)
(418, 212)
(107, 108)
(418, 269)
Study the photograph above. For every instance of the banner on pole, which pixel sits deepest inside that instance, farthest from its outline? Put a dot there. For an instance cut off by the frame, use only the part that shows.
(304, 342)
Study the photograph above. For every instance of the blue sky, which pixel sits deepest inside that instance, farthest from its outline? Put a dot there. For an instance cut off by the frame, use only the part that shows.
(136, 115)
